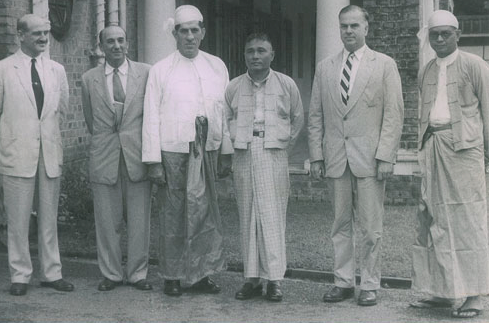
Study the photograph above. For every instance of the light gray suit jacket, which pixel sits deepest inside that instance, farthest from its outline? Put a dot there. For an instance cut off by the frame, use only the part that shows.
(22, 132)
(368, 128)
(108, 139)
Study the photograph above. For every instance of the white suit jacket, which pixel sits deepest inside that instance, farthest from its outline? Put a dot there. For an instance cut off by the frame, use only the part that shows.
(22, 132)
(369, 128)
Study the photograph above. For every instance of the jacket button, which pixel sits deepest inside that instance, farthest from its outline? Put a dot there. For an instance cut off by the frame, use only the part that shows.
(344, 118)
(346, 138)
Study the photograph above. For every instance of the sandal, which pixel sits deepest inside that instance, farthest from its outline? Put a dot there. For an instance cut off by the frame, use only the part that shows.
(430, 303)
(465, 313)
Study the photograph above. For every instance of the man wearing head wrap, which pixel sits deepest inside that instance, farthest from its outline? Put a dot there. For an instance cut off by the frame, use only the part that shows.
(450, 257)
(184, 137)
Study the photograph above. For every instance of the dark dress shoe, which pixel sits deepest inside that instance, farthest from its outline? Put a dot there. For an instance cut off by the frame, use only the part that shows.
(18, 289)
(172, 288)
(60, 285)
(142, 284)
(274, 293)
(248, 291)
(338, 294)
(367, 298)
(206, 285)
(107, 284)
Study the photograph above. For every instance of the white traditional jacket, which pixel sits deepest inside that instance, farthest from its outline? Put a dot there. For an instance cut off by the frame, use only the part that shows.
(178, 90)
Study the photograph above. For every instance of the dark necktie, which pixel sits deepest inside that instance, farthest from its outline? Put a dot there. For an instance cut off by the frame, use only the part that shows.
(37, 87)
(118, 90)
(345, 79)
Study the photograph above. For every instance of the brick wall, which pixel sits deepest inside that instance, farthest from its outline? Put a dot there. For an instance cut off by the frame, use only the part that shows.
(393, 28)
(10, 11)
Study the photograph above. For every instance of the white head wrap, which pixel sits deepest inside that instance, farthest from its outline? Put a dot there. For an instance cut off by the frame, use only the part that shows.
(442, 18)
(183, 14)
(187, 13)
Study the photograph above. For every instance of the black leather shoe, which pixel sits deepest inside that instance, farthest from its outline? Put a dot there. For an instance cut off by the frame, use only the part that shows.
(248, 291)
(107, 284)
(142, 284)
(18, 289)
(367, 298)
(338, 294)
(60, 285)
(274, 293)
(172, 288)
(206, 285)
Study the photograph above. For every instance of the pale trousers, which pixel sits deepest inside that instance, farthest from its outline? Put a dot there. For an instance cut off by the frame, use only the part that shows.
(111, 202)
(18, 200)
(362, 198)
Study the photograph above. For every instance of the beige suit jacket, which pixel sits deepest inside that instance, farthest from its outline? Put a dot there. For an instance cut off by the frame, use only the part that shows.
(368, 128)
(108, 139)
(22, 132)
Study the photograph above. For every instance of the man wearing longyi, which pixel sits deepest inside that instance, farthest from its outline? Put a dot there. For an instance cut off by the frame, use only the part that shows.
(185, 136)
(451, 256)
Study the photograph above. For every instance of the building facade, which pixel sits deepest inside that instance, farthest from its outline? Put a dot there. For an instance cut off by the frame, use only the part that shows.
(303, 32)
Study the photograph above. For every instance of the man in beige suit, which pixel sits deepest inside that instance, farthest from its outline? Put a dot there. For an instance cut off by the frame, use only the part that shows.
(355, 123)
(33, 94)
(112, 96)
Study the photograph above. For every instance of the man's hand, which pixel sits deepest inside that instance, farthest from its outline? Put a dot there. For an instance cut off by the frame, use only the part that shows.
(318, 170)
(224, 165)
(384, 169)
(156, 174)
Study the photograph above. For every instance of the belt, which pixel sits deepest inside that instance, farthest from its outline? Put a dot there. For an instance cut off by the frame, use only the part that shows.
(260, 134)
(430, 130)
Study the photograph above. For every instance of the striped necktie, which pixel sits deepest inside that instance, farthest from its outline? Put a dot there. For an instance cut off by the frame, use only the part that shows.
(345, 78)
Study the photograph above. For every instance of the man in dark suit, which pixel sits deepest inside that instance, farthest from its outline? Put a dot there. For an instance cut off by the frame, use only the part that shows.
(355, 124)
(33, 95)
(113, 95)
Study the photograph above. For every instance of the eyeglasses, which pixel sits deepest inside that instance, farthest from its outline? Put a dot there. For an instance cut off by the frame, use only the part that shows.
(444, 34)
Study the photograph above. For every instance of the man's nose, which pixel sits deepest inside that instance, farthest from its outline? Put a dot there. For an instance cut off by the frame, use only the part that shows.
(439, 38)
(189, 35)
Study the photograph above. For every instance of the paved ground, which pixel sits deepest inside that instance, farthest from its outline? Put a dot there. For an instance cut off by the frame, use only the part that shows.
(302, 302)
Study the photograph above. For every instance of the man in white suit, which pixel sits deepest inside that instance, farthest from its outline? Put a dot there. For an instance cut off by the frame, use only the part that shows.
(355, 123)
(33, 94)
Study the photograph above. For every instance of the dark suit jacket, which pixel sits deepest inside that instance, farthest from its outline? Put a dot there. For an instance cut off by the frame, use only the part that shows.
(108, 140)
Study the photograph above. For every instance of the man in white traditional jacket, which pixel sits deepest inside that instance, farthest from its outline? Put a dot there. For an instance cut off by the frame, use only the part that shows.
(451, 258)
(184, 132)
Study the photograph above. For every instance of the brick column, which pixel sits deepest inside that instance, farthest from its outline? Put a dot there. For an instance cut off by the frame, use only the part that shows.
(154, 42)
(328, 39)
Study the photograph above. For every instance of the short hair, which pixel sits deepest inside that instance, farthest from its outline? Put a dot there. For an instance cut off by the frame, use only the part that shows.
(353, 7)
(258, 36)
(22, 22)
(201, 25)
(101, 33)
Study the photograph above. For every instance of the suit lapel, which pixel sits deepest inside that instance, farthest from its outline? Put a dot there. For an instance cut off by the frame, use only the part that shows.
(24, 75)
(132, 86)
(47, 83)
(364, 72)
(333, 74)
(101, 87)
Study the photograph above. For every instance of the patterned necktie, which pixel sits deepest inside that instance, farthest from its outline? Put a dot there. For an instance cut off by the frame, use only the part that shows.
(118, 90)
(345, 78)
(37, 87)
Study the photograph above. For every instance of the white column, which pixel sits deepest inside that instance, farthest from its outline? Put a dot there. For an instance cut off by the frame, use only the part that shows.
(155, 43)
(41, 9)
(122, 14)
(113, 8)
(328, 39)
(426, 53)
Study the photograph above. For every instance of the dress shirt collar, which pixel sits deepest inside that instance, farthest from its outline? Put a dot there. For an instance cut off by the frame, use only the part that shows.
(26, 59)
(123, 69)
(448, 59)
(358, 53)
(259, 83)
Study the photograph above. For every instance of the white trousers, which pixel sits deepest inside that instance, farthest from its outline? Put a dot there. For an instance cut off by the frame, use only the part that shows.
(18, 200)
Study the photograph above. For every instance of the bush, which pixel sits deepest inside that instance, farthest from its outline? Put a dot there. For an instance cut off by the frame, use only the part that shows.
(76, 201)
